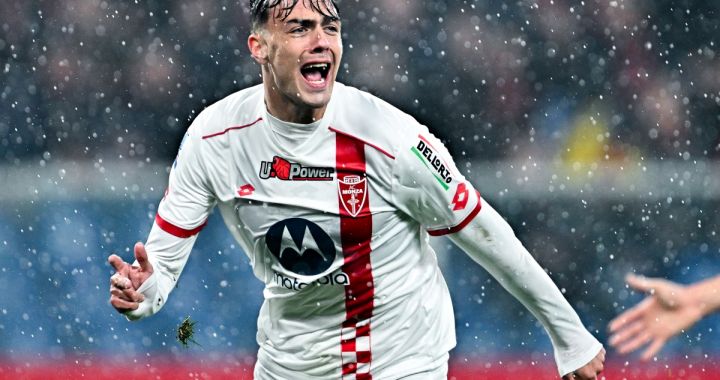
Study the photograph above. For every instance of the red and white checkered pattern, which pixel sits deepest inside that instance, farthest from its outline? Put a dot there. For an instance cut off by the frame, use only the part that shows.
(356, 356)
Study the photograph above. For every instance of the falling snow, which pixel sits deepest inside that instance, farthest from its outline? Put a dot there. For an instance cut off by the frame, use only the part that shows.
(592, 126)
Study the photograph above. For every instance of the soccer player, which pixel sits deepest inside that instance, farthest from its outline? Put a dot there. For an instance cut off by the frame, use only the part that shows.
(333, 194)
(668, 309)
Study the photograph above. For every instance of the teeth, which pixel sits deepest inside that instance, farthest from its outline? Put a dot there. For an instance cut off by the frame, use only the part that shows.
(317, 66)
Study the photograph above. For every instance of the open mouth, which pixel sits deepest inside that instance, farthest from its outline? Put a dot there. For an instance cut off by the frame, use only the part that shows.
(316, 73)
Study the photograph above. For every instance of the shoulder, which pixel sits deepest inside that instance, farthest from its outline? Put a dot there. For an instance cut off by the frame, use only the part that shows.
(373, 120)
(236, 110)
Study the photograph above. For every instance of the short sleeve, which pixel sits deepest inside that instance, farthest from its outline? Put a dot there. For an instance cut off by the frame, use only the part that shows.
(188, 199)
(428, 186)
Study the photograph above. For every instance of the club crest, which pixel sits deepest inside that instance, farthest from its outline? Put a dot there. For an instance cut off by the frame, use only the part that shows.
(353, 192)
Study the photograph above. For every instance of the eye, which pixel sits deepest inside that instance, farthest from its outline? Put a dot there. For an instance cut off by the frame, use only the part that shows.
(298, 30)
(332, 29)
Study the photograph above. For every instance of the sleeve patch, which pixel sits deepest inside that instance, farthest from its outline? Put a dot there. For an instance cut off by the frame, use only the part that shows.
(429, 156)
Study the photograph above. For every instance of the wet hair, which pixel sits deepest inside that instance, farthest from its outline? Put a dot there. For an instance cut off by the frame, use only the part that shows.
(260, 9)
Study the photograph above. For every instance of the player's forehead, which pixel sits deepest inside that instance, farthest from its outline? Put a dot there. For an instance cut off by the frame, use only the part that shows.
(317, 10)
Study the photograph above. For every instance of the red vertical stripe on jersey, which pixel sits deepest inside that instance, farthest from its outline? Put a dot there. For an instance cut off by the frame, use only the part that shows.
(355, 233)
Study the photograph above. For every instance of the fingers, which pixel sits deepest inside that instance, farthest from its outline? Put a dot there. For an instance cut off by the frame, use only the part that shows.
(142, 257)
(117, 263)
(122, 305)
(626, 333)
(119, 281)
(653, 349)
(577, 375)
(127, 295)
(631, 315)
(634, 343)
(124, 298)
(601, 357)
(596, 366)
(585, 375)
(645, 284)
(589, 371)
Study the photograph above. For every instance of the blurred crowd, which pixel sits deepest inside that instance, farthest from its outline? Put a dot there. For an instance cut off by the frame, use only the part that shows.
(582, 81)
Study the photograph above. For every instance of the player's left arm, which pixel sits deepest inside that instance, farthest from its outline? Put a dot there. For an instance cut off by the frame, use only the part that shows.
(490, 241)
(428, 187)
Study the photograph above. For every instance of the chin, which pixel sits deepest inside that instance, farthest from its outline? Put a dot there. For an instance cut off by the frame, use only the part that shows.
(316, 100)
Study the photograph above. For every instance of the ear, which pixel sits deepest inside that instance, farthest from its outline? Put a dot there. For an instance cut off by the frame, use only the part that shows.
(258, 48)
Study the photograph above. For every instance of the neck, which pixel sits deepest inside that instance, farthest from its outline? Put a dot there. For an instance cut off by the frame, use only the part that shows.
(286, 109)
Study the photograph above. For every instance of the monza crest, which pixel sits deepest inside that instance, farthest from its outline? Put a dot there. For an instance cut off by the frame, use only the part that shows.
(352, 190)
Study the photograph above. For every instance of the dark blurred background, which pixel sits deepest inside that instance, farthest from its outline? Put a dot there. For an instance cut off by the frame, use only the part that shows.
(594, 127)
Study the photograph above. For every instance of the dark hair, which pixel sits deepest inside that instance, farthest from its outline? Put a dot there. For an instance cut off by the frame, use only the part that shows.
(260, 9)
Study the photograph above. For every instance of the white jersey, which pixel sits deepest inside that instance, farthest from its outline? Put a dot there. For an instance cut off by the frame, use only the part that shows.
(335, 219)
(336, 226)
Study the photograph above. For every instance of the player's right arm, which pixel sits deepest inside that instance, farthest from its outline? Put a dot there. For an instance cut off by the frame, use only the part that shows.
(669, 309)
(141, 290)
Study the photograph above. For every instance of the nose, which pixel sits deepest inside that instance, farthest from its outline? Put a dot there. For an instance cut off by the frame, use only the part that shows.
(321, 42)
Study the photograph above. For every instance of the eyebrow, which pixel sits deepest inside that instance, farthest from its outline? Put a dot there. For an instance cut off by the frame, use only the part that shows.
(310, 22)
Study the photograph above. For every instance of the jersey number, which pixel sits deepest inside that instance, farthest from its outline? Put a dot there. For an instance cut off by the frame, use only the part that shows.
(460, 199)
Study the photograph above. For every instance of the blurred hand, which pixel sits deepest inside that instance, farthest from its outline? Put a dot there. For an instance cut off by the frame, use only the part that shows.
(669, 309)
(589, 371)
(127, 279)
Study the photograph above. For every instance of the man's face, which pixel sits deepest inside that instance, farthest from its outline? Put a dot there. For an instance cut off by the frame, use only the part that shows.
(303, 56)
